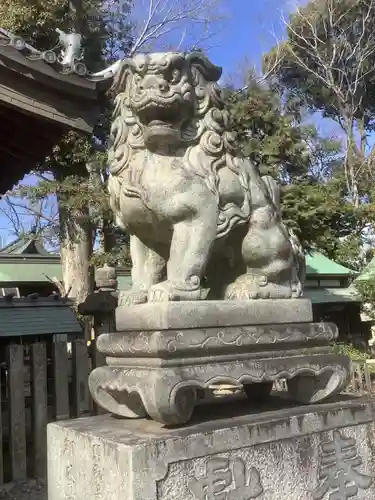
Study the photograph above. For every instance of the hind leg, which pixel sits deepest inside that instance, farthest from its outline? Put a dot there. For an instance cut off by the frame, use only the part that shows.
(226, 264)
(267, 254)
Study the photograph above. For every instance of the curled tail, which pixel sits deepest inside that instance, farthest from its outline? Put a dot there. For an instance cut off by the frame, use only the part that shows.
(273, 188)
(299, 264)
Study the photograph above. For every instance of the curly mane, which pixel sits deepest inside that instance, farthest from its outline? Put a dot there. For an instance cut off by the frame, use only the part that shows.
(208, 140)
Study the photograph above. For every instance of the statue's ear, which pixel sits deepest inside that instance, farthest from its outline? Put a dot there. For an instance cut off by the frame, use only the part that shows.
(122, 76)
(201, 66)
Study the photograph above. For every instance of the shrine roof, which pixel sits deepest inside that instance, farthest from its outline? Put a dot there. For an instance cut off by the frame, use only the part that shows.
(41, 99)
(320, 265)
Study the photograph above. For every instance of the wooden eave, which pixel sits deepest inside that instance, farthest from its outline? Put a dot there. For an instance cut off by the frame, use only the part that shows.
(38, 105)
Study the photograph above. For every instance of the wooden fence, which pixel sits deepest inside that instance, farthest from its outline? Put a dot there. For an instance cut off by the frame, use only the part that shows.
(54, 382)
(43, 382)
(361, 382)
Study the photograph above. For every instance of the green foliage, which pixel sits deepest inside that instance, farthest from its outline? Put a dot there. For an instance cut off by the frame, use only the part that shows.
(308, 166)
(107, 34)
(352, 352)
(268, 137)
(328, 58)
(366, 290)
(317, 213)
(327, 63)
(118, 254)
(35, 20)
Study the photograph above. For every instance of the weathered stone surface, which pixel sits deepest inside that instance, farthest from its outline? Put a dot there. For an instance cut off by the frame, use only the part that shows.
(106, 278)
(212, 313)
(324, 452)
(158, 372)
(201, 342)
(201, 218)
(168, 392)
(99, 302)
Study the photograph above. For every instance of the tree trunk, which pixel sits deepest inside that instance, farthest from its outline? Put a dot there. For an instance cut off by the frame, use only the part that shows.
(76, 247)
(107, 237)
(352, 159)
(363, 136)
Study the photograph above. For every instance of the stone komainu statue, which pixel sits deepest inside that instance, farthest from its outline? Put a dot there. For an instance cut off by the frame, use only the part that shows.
(203, 223)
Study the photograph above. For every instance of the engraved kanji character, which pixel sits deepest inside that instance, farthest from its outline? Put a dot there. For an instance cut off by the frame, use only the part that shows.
(227, 480)
(338, 469)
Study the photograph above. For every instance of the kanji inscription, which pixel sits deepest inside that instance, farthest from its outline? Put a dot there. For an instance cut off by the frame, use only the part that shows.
(338, 470)
(226, 479)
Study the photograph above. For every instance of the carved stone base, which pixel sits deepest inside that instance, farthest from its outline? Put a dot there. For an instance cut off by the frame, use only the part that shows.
(229, 452)
(157, 373)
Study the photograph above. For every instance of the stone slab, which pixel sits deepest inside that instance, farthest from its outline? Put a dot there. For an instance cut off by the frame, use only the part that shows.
(234, 452)
(212, 313)
(208, 341)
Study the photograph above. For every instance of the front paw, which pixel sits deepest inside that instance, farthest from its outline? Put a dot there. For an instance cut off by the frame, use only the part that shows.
(132, 297)
(160, 292)
(168, 291)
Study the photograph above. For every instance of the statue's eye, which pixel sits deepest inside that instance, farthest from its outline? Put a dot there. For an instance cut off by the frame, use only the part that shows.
(175, 76)
(137, 80)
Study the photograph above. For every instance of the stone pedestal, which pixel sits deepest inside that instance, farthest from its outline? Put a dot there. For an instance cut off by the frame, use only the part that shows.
(230, 452)
(162, 353)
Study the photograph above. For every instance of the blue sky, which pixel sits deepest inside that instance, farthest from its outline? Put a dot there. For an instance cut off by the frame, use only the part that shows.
(252, 27)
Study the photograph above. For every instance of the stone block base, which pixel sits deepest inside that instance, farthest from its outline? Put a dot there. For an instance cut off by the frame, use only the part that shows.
(159, 372)
(320, 452)
(212, 313)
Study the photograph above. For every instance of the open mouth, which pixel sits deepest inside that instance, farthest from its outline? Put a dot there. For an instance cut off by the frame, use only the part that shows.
(159, 123)
(157, 116)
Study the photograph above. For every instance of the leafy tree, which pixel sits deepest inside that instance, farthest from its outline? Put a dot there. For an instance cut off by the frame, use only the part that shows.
(77, 165)
(328, 60)
(79, 200)
(274, 134)
(268, 135)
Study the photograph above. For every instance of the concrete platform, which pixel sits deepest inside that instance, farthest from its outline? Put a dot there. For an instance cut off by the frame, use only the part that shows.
(231, 452)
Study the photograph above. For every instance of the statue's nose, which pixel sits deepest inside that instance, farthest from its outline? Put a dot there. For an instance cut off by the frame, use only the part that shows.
(153, 82)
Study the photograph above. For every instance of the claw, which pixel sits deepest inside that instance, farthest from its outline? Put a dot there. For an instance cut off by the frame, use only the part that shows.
(165, 291)
(132, 298)
(159, 295)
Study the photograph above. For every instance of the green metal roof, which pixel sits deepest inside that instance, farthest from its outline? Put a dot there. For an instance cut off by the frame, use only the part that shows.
(26, 261)
(37, 317)
(27, 244)
(318, 264)
(331, 295)
(34, 269)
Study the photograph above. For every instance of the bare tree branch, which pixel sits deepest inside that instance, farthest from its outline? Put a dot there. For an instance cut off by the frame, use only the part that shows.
(167, 23)
(339, 56)
(278, 55)
(21, 217)
(38, 212)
